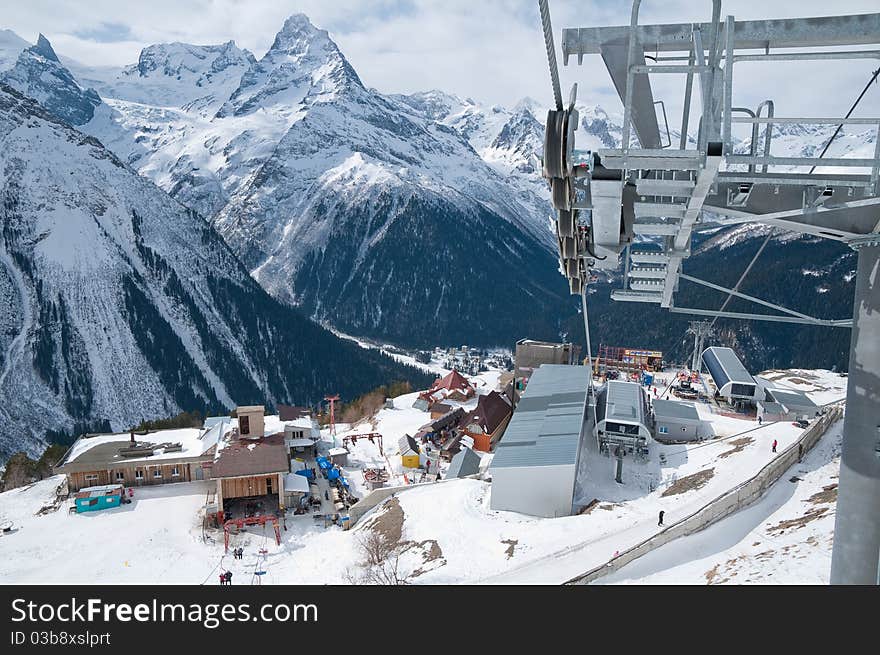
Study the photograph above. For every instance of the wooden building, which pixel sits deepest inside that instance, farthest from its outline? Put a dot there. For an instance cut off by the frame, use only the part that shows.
(251, 469)
(487, 422)
(141, 459)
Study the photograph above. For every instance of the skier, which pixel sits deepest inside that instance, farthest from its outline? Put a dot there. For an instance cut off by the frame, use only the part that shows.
(222, 578)
(759, 420)
(229, 577)
(774, 445)
(660, 522)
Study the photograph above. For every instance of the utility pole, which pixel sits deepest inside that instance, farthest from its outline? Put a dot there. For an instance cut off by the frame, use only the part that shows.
(332, 400)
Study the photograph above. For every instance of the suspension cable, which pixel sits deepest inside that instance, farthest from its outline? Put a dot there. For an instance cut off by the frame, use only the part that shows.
(551, 52)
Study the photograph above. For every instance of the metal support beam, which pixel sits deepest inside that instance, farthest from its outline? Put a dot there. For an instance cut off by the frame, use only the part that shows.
(745, 296)
(753, 317)
(856, 550)
(855, 29)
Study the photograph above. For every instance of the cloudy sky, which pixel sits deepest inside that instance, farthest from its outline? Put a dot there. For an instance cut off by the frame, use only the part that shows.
(490, 50)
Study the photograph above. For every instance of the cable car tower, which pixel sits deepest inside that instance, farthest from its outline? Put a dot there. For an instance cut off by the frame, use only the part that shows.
(657, 187)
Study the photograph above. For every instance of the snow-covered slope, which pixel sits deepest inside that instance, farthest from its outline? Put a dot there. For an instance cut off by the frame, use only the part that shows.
(39, 74)
(354, 205)
(193, 77)
(11, 46)
(120, 304)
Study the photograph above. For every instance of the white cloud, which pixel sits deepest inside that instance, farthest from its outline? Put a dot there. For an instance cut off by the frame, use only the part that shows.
(491, 50)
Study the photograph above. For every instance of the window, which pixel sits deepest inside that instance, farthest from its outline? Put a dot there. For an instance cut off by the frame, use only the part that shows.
(92, 502)
(157, 473)
(139, 474)
(664, 429)
(175, 472)
(91, 477)
(120, 476)
(244, 425)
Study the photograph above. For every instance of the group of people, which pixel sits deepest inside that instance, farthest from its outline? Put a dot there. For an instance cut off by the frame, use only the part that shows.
(225, 577)
(237, 553)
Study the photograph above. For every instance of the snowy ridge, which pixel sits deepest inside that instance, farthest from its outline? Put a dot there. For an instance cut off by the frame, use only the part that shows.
(125, 305)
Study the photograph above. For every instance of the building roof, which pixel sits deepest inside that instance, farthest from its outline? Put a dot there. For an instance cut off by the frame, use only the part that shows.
(724, 367)
(294, 483)
(299, 443)
(101, 490)
(408, 445)
(337, 451)
(465, 462)
(440, 407)
(453, 381)
(102, 451)
(546, 426)
(238, 458)
(675, 409)
(291, 412)
(491, 411)
(450, 418)
(792, 398)
(768, 406)
(621, 402)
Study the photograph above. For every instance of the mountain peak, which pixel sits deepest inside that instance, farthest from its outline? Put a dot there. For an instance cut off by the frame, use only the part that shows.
(296, 34)
(44, 49)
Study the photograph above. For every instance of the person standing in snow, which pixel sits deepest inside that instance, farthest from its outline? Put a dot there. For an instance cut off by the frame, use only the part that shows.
(222, 578)
(229, 577)
(774, 445)
(760, 420)
(660, 522)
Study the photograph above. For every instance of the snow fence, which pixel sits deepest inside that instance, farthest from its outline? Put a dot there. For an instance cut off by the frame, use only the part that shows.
(731, 501)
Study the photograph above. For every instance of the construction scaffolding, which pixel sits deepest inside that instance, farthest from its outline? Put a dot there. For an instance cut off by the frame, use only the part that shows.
(627, 360)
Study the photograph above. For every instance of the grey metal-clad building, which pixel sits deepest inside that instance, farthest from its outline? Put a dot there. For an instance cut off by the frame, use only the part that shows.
(622, 417)
(676, 421)
(466, 462)
(731, 378)
(534, 467)
(796, 403)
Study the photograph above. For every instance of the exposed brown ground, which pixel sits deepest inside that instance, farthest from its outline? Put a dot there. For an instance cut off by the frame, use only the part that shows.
(689, 482)
(389, 524)
(738, 446)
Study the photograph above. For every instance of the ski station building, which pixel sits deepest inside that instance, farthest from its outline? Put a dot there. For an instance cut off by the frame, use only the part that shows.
(136, 459)
(787, 405)
(675, 422)
(535, 465)
(622, 418)
(731, 378)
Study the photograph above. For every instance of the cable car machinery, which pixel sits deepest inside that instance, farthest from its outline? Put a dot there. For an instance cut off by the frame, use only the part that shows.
(605, 200)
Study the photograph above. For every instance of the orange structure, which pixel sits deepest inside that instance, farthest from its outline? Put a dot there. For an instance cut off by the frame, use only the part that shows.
(332, 400)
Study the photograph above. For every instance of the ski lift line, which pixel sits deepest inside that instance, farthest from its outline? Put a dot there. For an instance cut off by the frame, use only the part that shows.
(587, 333)
(848, 114)
(551, 52)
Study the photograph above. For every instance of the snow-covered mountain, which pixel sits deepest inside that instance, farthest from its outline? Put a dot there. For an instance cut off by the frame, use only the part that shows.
(117, 303)
(390, 216)
(38, 74)
(357, 206)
